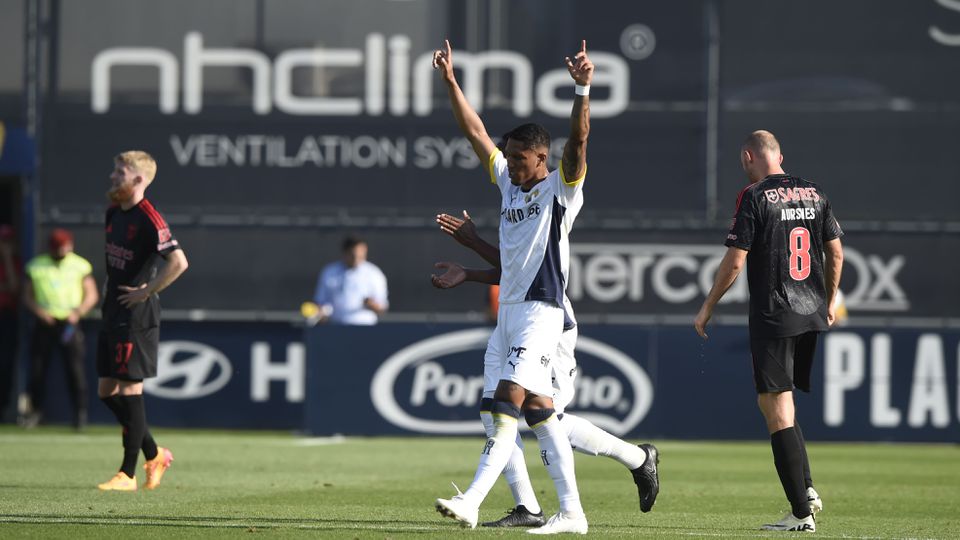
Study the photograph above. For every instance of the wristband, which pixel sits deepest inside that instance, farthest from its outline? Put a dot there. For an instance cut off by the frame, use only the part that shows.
(583, 90)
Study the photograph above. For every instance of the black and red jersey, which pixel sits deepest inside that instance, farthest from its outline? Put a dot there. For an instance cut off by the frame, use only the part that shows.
(783, 221)
(136, 242)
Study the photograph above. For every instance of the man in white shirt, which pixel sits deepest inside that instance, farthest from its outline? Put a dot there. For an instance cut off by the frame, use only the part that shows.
(352, 290)
(538, 209)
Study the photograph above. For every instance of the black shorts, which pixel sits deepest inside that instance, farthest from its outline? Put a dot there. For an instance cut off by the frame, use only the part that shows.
(130, 355)
(782, 364)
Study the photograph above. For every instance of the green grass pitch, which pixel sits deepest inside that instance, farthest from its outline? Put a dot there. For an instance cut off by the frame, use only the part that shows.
(274, 485)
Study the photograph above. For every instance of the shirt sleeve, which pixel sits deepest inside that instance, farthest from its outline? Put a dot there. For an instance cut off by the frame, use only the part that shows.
(379, 287)
(321, 296)
(744, 226)
(86, 268)
(569, 190)
(162, 236)
(497, 168)
(831, 227)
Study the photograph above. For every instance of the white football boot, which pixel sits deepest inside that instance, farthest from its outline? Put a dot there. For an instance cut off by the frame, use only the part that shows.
(459, 509)
(558, 524)
(813, 501)
(792, 523)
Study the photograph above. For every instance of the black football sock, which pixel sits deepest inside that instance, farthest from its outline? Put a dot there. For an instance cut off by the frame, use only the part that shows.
(119, 409)
(149, 445)
(788, 458)
(807, 480)
(133, 434)
(115, 404)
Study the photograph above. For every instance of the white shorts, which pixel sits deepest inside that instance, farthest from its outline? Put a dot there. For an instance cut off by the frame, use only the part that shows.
(564, 371)
(527, 338)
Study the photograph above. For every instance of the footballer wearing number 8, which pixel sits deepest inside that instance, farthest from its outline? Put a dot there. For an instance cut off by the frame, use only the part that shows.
(785, 231)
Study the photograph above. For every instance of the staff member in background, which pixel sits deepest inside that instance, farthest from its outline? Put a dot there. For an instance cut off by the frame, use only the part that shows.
(59, 291)
(352, 290)
(9, 323)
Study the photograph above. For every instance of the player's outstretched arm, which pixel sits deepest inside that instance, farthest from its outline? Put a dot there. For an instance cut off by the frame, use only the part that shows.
(467, 118)
(465, 232)
(453, 274)
(730, 267)
(574, 160)
(833, 262)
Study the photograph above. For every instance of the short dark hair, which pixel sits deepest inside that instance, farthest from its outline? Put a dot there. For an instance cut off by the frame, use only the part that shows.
(530, 136)
(350, 242)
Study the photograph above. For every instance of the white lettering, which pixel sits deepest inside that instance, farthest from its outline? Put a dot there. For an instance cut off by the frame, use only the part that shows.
(675, 295)
(882, 414)
(387, 73)
(929, 394)
(876, 284)
(165, 62)
(450, 390)
(195, 58)
(292, 372)
(318, 58)
(844, 358)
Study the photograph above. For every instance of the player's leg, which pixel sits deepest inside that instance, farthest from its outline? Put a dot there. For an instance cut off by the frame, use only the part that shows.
(143, 364)
(587, 438)
(584, 436)
(804, 353)
(108, 389)
(526, 511)
(72, 352)
(505, 412)
(773, 376)
(534, 339)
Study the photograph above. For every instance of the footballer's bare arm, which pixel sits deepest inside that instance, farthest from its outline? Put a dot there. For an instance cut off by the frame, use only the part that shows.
(465, 232)
(574, 160)
(467, 118)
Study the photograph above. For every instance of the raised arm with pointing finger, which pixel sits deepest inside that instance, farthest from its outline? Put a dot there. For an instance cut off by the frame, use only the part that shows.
(574, 161)
(467, 118)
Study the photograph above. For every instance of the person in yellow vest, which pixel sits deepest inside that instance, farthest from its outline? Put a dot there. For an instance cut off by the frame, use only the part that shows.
(59, 291)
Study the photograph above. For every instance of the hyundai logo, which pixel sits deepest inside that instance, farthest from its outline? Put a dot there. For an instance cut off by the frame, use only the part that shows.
(188, 370)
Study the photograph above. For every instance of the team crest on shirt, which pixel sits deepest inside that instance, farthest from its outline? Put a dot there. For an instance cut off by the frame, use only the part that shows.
(131, 232)
(532, 195)
(772, 196)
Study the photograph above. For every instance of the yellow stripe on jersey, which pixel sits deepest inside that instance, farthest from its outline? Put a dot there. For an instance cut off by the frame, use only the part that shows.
(578, 180)
(493, 157)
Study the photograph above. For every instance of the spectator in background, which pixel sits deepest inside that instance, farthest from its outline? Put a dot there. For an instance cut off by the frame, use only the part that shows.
(352, 290)
(9, 327)
(59, 291)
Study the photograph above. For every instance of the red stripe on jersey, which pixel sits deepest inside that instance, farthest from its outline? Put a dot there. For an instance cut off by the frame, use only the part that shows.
(740, 198)
(154, 216)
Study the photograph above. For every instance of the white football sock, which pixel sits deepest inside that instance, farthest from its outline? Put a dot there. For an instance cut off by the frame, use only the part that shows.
(557, 456)
(588, 439)
(515, 473)
(496, 452)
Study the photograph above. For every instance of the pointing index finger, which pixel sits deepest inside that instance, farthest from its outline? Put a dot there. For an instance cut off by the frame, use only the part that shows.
(583, 46)
(446, 43)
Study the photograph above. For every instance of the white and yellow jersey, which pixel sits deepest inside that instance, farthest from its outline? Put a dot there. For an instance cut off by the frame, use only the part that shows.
(534, 234)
